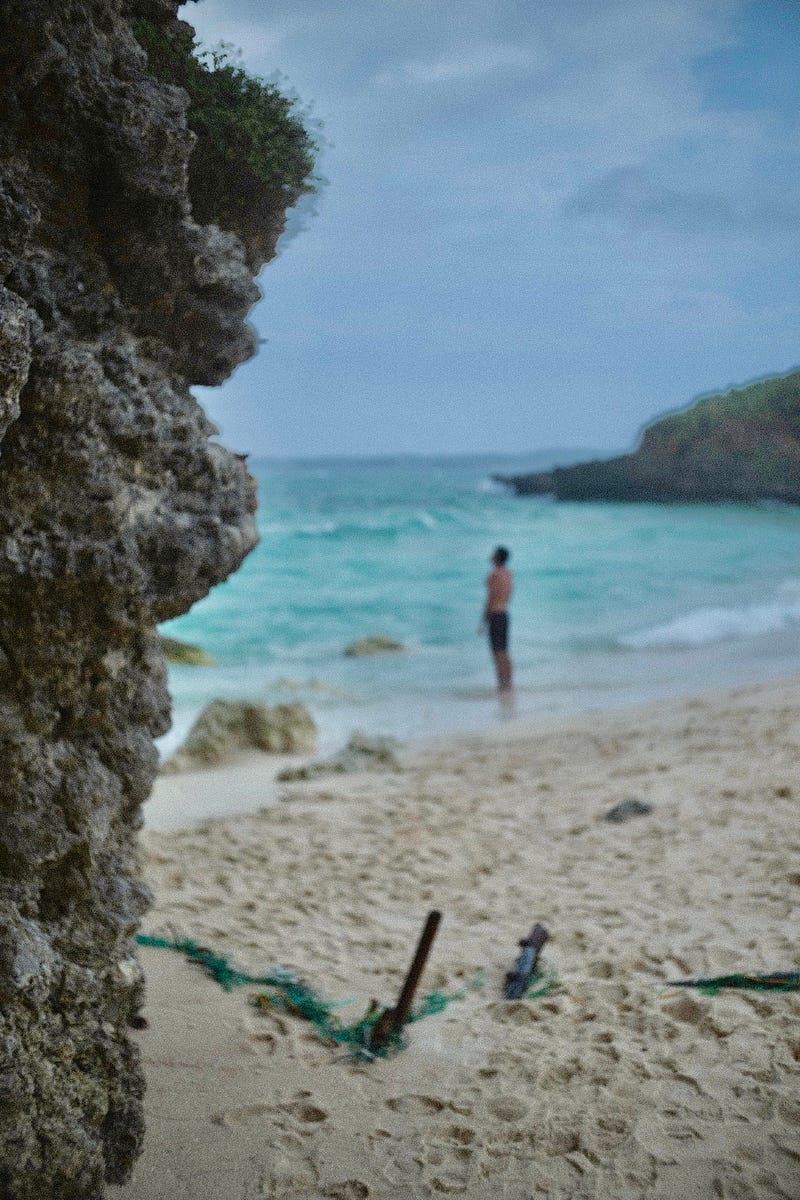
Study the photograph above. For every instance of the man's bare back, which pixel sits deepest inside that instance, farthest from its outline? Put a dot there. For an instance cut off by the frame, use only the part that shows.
(499, 585)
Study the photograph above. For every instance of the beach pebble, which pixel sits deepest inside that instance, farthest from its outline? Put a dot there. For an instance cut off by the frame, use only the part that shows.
(627, 809)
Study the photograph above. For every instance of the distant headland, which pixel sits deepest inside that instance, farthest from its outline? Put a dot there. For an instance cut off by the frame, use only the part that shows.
(739, 445)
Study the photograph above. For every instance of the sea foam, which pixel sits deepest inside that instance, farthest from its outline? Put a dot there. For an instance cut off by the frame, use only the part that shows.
(706, 625)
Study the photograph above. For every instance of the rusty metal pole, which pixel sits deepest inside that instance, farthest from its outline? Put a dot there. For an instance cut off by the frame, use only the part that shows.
(392, 1020)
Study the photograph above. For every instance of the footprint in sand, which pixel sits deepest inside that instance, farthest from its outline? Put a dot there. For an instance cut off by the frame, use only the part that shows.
(506, 1142)
(687, 1010)
(349, 1189)
(309, 1114)
(449, 1160)
(515, 1012)
(415, 1105)
(448, 1185)
(559, 1137)
(260, 1043)
(600, 968)
(460, 1135)
(557, 1073)
(507, 1108)
(300, 1109)
(606, 1133)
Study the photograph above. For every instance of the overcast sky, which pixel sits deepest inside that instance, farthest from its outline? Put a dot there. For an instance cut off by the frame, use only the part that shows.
(544, 223)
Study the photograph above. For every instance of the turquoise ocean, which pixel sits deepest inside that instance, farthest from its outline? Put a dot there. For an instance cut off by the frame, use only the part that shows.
(614, 604)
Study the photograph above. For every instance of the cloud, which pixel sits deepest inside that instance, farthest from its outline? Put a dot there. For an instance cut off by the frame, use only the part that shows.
(634, 197)
(465, 64)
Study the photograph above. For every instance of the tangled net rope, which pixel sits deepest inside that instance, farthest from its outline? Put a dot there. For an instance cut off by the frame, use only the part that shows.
(773, 981)
(294, 995)
(291, 993)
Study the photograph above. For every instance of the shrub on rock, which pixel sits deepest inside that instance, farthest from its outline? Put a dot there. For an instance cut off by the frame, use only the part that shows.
(184, 653)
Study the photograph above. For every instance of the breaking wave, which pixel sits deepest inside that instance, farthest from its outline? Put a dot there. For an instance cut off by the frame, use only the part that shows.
(706, 625)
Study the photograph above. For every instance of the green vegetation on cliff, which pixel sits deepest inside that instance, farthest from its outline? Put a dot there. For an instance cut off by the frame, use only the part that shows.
(760, 404)
(253, 152)
(739, 445)
(184, 653)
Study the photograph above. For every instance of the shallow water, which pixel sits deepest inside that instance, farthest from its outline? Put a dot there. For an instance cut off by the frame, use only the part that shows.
(613, 603)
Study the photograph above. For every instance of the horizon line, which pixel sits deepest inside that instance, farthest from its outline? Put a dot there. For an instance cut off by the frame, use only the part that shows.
(415, 455)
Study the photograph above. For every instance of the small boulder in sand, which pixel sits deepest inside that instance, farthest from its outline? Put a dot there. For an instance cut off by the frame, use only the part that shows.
(226, 727)
(376, 644)
(185, 653)
(627, 809)
(361, 753)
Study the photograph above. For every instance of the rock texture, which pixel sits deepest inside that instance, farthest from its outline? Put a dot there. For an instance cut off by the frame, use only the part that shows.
(743, 445)
(361, 753)
(227, 727)
(117, 512)
(374, 644)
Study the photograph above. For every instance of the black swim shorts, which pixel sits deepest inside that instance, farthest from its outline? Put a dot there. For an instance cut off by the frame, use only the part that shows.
(498, 631)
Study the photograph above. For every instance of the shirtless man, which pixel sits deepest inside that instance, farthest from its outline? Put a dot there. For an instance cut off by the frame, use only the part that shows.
(499, 584)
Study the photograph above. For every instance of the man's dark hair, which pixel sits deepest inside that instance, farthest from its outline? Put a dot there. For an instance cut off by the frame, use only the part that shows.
(502, 555)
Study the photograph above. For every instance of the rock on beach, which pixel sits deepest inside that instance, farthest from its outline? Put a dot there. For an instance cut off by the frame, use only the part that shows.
(375, 644)
(361, 753)
(227, 727)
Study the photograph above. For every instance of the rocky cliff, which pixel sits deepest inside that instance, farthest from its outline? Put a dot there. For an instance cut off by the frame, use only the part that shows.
(743, 445)
(117, 512)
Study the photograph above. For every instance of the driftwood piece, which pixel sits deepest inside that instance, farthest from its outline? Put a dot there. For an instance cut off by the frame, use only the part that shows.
(519, 978)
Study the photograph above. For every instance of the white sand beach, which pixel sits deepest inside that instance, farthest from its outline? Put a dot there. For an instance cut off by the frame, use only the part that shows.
(617, 1087)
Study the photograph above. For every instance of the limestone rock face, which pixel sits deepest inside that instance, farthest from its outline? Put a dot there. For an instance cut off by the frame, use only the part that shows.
(117, 512)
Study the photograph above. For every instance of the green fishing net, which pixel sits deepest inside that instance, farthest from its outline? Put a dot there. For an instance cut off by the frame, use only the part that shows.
(543, 982)
(287, 991)
(284, 989)
(773, 981)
